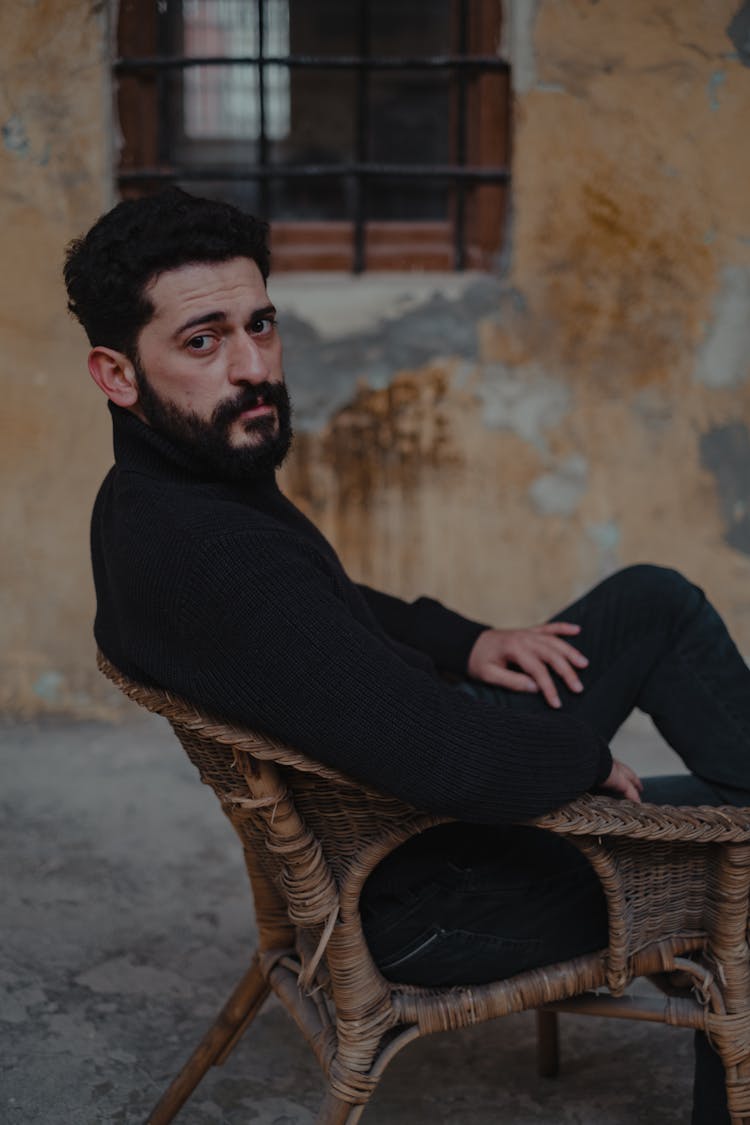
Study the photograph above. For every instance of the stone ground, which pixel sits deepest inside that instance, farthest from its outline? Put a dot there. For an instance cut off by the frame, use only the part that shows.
(127, 921)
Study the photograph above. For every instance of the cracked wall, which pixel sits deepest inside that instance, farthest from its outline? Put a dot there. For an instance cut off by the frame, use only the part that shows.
(500, 442)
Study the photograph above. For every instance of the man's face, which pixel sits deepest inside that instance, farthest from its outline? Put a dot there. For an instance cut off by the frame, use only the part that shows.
(208, 368)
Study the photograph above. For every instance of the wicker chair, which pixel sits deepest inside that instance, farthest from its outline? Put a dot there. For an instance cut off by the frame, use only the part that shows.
(676, 883)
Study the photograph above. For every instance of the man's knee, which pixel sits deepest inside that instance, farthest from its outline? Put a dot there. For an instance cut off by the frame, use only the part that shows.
(662, 589)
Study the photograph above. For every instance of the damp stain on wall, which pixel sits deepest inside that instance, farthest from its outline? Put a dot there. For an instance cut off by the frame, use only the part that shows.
(725, 452)
(739, 32)
(715, 82)
(623, 275)
(560, 491)
(524, 399)
(14, 136)
(723, 359)
(374, 473)
(383, 438)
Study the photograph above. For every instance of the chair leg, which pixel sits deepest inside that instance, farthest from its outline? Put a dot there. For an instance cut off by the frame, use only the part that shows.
(547, 1044)
(334, 1111)
(215, 1046)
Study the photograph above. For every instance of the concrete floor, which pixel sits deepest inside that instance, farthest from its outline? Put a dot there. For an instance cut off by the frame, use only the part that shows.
(126, 921)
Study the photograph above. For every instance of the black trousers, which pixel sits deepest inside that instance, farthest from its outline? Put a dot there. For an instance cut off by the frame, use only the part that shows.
(465, 904)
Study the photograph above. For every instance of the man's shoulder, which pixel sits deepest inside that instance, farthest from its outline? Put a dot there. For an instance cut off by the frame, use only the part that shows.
(186, 504)
(166, 518)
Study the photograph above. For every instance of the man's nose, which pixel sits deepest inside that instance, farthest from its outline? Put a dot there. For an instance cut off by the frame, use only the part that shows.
(247, 362)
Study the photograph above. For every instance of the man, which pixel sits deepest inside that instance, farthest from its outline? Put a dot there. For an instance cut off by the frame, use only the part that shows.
(211, 583)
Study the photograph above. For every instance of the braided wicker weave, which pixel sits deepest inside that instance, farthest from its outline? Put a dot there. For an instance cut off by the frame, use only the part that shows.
(676, 883)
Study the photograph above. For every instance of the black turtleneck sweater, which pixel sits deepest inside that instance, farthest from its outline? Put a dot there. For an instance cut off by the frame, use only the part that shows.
(225, 593)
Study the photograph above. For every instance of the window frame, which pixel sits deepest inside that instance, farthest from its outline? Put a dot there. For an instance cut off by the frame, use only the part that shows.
(469, 238)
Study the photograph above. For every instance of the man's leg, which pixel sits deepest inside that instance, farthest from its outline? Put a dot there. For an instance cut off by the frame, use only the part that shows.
(466, 904)
(654, 642)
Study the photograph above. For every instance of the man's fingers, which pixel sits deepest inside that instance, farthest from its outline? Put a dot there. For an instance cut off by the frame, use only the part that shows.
(554, 644)
(572, 654)
(537, 670)
(566, 673)
(633, 777)
(514, 681)
(624, 780)
(561, 628)
(631, 792)
(555, 653)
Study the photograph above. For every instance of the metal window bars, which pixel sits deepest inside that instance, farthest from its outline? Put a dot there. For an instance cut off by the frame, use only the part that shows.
(462, 65)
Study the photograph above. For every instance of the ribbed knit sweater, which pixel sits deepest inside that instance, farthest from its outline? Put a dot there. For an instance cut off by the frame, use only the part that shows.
(225, 593)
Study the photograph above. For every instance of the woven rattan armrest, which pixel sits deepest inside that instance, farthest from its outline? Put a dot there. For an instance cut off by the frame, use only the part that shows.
(668, 874)
(595, 815)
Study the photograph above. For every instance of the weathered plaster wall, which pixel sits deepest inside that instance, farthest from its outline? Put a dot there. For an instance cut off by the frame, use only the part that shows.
(499, 442)
(54, 157)
(507, 446)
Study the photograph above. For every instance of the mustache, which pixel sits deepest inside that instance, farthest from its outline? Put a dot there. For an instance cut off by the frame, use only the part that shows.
(269, 394)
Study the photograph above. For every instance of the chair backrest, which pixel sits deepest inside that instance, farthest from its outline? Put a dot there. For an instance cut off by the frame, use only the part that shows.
(311, 835)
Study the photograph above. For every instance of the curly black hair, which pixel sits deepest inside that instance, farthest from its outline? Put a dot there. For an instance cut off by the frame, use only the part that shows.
(107, 270)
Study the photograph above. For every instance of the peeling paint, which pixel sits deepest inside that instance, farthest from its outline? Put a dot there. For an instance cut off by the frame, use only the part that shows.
(715, 82)
(739, 32)
(725, 452)
(605, 537)
(653, 409)
(48, 686)
(391, 436)
(560, 492)
(16, 140)
(340, 305)
(724, 358)
(376, 455)
(14, 136)
(523, 399)
(323, 373)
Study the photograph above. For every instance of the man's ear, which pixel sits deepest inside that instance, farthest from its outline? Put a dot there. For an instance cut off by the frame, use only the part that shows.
(114, 373)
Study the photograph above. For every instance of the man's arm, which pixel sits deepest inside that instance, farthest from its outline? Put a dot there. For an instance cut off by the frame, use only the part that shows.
(426, 624)
(268, 641)
(517, 659)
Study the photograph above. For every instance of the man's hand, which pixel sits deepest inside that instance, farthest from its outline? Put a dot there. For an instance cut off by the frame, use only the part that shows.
(520, 659)
(624, 781)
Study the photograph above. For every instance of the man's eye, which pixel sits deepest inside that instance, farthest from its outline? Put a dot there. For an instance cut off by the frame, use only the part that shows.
(262, 327)
(199, 343)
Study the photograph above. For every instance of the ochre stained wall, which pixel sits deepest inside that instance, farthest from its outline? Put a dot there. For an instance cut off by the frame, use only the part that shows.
(500, 442)
(54, 181)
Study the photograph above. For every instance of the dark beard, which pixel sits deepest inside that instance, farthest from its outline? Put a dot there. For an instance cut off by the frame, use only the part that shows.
(208, 441)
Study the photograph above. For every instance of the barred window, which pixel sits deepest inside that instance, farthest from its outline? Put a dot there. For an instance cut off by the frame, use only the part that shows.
(371, 133)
